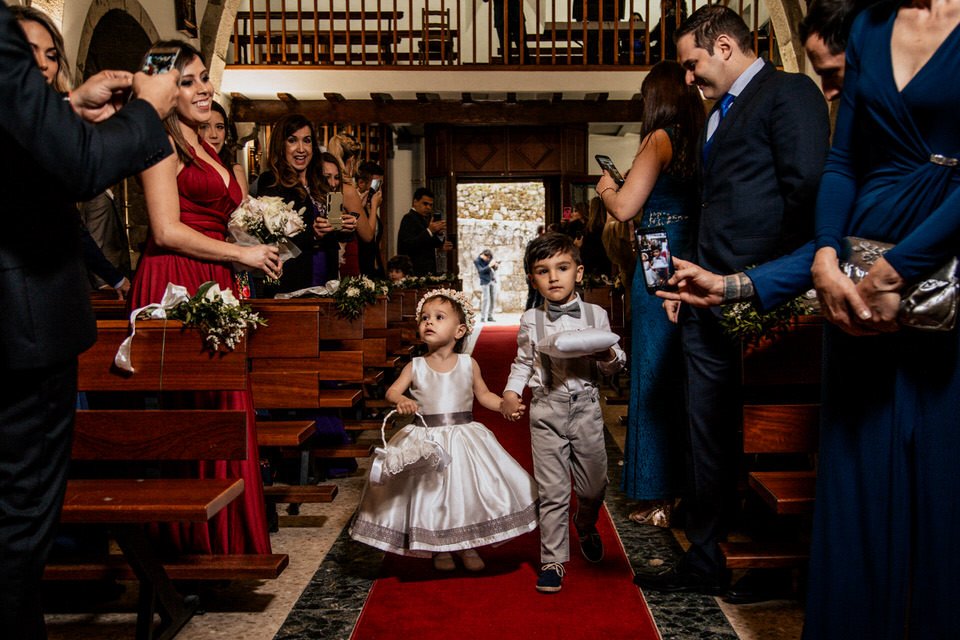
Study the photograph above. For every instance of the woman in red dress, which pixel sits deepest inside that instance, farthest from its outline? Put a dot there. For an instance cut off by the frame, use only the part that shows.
(190, 197)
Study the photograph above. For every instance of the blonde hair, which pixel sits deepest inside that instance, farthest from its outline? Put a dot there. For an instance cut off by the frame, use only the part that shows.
(344, 148)
(61, 83)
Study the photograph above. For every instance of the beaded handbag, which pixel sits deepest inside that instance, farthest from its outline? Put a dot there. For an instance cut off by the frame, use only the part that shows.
(930, 304)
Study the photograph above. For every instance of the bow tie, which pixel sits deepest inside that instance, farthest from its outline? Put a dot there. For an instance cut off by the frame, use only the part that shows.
(556, 311)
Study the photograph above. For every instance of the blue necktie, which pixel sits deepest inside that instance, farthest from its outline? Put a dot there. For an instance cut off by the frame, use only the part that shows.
(723, 106)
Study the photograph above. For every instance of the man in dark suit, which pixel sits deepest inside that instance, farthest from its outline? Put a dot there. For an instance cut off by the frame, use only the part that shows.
(823, 31)
(763, 151)
(419, 235)
(50, 160)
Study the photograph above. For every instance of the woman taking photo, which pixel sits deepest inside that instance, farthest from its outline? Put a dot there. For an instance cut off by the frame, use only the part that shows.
(294, 174)
(346, 153)
(190, 196)
(660, 187)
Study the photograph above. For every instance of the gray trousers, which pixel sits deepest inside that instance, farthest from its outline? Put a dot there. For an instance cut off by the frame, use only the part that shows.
(488, 299)
(566, 433)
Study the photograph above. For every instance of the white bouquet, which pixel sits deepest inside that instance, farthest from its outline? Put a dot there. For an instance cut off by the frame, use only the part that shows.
(267, 220)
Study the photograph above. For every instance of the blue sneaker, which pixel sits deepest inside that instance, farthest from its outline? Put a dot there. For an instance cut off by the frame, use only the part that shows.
(551, 578)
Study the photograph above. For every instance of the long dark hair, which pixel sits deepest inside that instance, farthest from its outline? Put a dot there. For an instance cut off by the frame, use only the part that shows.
(228, 152)
(669, 102)
(283, 173)
(171, 123)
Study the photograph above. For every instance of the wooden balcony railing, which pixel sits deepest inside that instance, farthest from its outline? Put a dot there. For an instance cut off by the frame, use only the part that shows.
(468, 33)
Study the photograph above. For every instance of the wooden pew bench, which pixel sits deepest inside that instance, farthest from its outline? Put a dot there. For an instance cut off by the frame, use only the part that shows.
(307, 357)
(778, 429)
(612, 301)
(167, 359)
(781, 422)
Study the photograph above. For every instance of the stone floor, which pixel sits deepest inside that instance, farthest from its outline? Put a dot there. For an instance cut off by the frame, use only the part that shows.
(321, 593)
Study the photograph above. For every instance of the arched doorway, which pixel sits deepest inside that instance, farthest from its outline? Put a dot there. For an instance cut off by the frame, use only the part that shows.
(119, 41)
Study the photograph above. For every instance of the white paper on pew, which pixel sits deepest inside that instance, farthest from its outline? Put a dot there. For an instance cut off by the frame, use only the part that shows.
(577, 343)
(317, 291)
(174, 295)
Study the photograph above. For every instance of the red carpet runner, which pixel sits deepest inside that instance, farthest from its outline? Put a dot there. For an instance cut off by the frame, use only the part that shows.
(412, 600)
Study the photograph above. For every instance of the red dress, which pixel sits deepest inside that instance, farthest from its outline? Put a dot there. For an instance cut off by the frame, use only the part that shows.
(205, 205)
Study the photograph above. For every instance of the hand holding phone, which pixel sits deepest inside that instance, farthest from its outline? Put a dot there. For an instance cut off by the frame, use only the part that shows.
(656, 258)
(374, 185)
(335, 210)
(607, 164)
(160, 60)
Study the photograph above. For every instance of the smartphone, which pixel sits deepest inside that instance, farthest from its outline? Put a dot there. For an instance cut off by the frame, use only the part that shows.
(374, 185)
(160, 60)
(335, 209)
(653, 247)
(606, 163)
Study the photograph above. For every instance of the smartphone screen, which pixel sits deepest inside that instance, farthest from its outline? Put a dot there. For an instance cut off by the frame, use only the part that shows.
(606, 163)
(160, 60)
(335, 209)
(653, 247)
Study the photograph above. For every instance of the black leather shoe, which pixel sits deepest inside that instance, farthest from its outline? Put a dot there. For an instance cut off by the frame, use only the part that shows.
(760, 585)
(674, 579)
(592, 547)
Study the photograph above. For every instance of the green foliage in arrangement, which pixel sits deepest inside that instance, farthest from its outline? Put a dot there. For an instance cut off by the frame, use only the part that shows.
(218, 315)
(356, 292)
(742, 320)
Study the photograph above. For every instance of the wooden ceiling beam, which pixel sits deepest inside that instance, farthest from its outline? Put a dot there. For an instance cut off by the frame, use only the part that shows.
(451, 112)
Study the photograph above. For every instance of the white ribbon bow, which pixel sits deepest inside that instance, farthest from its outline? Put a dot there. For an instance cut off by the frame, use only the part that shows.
(174, 295)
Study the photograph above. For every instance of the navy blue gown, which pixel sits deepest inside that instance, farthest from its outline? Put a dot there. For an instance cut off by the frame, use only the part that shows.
(884, 560)
(653, 453)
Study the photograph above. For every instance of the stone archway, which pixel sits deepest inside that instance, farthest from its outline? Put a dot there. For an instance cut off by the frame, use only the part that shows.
(216, 29)
(96, 12)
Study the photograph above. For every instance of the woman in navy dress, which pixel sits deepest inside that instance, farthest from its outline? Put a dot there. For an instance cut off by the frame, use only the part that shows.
(883, 560)
(662, 187)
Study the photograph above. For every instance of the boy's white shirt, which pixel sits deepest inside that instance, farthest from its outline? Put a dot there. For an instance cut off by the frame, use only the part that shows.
(527, 369)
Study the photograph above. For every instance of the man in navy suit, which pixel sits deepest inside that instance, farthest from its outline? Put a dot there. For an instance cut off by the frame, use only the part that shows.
(764, 147)
(51, 159)
(823, 31)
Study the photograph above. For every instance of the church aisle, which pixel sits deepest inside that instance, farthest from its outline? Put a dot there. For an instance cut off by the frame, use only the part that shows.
(322, 592)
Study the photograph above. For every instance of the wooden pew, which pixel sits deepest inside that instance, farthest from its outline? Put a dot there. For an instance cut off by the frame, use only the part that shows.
(781, 382)
(307, 357)
(612, 301)
(167, 359)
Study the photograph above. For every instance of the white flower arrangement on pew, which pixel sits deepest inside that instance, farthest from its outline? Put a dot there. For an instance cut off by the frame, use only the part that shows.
(354, 293)
(216, 312)
(267, 220)
(218, 315)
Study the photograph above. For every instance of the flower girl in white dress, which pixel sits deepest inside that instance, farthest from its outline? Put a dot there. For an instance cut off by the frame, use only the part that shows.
(483, 496)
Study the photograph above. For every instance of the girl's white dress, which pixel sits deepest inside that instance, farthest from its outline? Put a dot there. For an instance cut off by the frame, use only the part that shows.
(483, 496)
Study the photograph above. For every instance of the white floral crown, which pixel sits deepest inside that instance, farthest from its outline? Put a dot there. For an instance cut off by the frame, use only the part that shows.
(454, 296)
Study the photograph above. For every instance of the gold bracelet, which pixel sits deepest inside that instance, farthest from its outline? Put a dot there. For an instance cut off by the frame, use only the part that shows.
(604, 190)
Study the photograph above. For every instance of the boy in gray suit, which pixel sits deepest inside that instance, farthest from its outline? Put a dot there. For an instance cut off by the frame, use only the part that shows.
(566, 424)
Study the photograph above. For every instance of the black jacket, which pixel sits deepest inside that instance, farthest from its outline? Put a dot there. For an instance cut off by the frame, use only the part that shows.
(50, 161)
(414, 240)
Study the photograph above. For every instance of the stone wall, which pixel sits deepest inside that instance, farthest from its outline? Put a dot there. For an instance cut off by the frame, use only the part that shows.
(501, 217)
